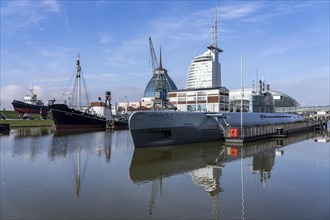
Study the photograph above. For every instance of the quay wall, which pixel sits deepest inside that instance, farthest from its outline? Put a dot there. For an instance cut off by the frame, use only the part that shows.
(250, 133)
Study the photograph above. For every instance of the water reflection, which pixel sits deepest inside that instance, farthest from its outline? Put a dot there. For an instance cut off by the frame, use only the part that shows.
(94, 142)
(99, 175)
(79, 146)
(73, 146)
(160, 162)
(68, 132)
(29, 141)
(322, 136)
(205, 163)
(60, 143)
(32, 132)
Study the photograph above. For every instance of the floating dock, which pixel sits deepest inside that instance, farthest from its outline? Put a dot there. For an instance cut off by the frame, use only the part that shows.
(257, 132)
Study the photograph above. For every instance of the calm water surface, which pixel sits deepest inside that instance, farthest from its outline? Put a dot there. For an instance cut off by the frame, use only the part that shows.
(100, 175)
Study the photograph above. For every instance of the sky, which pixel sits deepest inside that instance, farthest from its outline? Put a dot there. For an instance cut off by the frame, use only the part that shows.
(285, 42)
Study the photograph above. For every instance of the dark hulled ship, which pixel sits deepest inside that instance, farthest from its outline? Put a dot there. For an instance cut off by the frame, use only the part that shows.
(96, 115)
(69, 118)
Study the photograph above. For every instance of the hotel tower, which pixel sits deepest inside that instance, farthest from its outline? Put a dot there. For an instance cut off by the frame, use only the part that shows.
(205, 69)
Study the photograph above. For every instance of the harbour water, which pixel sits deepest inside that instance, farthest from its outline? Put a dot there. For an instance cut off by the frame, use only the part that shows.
(47, 174)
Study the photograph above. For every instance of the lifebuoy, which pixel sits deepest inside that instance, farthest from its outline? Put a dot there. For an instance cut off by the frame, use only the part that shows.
(233, 132)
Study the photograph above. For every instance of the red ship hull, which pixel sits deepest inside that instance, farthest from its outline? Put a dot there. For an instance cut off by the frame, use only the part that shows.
(25, 108)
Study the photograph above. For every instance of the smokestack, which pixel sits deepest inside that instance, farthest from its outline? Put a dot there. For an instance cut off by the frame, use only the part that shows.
(107, 98)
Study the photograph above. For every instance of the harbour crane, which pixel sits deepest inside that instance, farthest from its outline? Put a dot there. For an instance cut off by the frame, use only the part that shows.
(153, 56)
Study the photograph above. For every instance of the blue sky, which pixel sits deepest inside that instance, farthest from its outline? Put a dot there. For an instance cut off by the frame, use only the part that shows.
(288, 41)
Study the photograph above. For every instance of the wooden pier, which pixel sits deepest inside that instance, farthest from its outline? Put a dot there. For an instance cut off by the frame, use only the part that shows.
(251, 133)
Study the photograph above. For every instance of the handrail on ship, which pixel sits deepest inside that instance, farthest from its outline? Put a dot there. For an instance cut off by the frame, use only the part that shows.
(215, 116)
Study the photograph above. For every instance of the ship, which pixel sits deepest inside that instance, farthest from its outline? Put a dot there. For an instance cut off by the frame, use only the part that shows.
(30, 105)
(70, 118)
(95, 116)
(120, 121)
(159, 128)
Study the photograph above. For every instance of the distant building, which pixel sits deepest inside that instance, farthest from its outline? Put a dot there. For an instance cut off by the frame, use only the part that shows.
(160, 82)
(280, 99)
(205, 69)
(203, 99)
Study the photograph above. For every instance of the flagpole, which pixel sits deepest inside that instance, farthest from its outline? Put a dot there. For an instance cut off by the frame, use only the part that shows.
(242, 94)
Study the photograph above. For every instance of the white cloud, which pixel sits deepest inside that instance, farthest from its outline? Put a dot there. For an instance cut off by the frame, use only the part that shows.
(280, 49)
(123, 55)
(180, 28)
(55, 52)
(181, 36)
(11, 92)
(262, 11)
(104, 38)
(18, 15)
(15, 91)
(52, 5)
(238, 11)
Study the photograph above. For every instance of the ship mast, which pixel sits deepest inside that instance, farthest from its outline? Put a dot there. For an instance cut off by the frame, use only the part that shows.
(78, 174)
(242, 95)
(78, 79)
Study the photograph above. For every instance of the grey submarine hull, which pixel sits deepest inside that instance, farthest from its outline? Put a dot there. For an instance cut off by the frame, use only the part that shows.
(159, 128)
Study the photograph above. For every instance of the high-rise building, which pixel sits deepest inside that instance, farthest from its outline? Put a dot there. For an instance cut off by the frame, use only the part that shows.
(205, 69)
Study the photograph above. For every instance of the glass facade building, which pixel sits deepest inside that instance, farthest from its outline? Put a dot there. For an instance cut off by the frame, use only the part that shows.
(159, 81)
(280, 99)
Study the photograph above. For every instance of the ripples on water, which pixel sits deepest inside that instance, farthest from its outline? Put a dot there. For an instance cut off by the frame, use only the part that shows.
(46, 174)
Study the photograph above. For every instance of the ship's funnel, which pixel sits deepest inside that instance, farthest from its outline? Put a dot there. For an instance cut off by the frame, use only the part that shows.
(107, 98)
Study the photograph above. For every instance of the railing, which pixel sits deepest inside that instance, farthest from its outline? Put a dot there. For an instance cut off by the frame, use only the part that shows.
(247, 133)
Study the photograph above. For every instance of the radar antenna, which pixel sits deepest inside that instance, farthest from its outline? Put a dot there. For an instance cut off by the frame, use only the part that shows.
(215, 29)
(214, 45)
